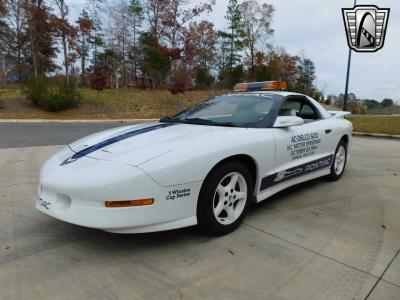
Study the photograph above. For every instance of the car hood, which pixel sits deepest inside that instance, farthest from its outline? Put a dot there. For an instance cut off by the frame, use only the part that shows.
(141, 143)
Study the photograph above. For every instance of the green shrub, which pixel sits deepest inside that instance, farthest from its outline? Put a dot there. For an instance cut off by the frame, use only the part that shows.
(179, 82)
(54, 99)
(358, 109)
(364, 110)
(61, 98)
(36, 90)
(229, 78)
(1, 102)
(328, 102)
(204, 79)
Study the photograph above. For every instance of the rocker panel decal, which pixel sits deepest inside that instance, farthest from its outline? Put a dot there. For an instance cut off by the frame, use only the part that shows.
(291, 173)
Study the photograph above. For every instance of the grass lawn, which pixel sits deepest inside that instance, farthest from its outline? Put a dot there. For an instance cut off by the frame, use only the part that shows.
(113, 104)
(387, 125)
(147, 104)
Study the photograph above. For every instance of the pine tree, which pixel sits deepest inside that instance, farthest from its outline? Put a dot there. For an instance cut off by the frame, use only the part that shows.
(136, 11)
(306, 77)
(233, 37)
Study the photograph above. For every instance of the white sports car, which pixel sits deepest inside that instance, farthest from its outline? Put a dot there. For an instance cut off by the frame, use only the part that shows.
(203, 166)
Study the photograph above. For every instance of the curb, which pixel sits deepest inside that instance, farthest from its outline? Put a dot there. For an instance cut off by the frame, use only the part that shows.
(377, 135)
(78, 121)
(359, 134)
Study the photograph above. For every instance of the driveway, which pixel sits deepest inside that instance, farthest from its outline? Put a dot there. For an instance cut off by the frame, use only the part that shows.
(318, 240)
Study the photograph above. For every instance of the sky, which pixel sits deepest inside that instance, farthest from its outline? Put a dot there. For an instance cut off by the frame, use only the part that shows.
(316, 28)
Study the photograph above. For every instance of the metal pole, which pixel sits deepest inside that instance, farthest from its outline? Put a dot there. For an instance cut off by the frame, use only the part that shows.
(346, 92)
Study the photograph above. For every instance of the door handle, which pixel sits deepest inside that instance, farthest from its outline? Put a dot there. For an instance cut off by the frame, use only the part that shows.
(328, 131)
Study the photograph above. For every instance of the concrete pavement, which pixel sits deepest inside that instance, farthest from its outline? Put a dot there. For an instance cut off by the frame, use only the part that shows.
(319, 240)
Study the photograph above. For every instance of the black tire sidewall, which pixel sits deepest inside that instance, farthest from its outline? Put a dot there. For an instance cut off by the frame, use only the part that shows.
(205, 211)
(333, 176)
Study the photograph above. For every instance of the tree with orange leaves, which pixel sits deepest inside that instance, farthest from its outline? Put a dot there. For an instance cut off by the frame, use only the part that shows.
(84, 35)
(204, 39)
(38, 35)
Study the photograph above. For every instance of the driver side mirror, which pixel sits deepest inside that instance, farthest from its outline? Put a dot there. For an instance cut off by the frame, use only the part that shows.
(285, 122)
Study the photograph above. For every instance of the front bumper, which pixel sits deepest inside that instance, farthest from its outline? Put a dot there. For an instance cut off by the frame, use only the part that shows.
(76, 193)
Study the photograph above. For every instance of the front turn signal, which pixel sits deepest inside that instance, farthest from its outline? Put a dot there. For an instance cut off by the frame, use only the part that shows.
(130, 203)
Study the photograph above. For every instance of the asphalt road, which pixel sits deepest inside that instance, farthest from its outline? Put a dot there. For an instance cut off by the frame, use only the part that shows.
(319, 240)
(14, 135)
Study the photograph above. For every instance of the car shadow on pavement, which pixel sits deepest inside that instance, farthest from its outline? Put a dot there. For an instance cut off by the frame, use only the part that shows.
(104, 241)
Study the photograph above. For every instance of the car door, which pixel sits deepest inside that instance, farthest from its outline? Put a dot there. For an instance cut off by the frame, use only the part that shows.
(301, 149)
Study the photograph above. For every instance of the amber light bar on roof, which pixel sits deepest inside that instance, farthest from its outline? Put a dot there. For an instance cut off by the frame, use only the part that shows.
(261, 86)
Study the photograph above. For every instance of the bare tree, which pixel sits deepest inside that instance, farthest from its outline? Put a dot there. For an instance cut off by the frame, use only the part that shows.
(257, 21)
(67, 33)
(95, 7)
(167, 17)
(157, 11)
(119, 38)
(178, 17)
(16, 20)
(6, 48)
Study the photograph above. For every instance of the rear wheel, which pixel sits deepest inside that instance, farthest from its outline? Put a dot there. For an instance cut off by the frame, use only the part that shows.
(339, 162)
(224, 199)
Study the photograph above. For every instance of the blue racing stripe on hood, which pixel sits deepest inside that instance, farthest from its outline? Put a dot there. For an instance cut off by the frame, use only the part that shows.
(114, 140)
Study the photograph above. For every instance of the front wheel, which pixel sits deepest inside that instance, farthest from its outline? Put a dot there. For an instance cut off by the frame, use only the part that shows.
(339, 162)
(224, 199)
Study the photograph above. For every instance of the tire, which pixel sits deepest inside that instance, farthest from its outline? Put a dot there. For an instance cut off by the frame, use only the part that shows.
(223, 203)
(339, 162)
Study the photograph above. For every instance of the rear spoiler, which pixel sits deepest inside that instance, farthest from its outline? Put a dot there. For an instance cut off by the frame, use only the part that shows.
(339, 114)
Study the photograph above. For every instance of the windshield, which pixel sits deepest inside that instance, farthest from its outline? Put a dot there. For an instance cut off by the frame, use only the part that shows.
(234, 110)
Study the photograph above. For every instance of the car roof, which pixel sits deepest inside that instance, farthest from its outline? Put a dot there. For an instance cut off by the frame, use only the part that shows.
(324, 113)
(280, 93)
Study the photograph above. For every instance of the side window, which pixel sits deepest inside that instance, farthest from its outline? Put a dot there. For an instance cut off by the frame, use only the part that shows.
(308, 112)
(300, 108)
(290, 107)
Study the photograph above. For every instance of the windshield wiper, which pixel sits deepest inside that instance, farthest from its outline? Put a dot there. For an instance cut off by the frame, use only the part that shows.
(208, 122)
(165, 119)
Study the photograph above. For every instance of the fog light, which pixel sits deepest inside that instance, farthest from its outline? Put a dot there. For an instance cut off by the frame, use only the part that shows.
(130, 203)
